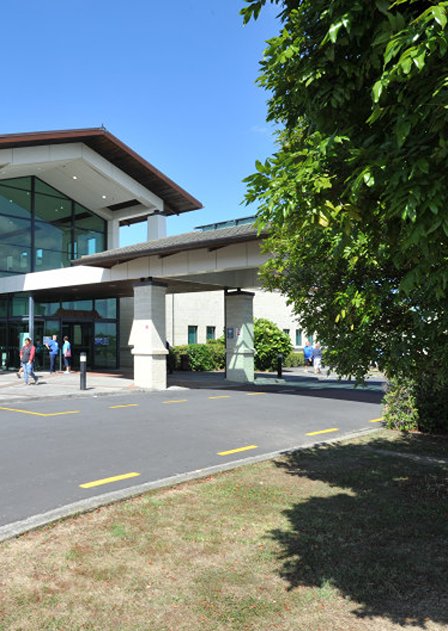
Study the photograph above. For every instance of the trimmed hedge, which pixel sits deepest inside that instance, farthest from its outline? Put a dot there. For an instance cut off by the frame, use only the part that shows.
(294, 359)
(199, 357)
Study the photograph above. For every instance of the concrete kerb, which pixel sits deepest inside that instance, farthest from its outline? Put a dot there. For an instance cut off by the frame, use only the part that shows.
(15, 529)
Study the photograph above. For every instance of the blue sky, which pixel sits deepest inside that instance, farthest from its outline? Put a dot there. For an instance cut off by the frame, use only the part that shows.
(175, 80)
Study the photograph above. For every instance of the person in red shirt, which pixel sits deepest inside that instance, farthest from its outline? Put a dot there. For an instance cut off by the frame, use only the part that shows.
(27, 355)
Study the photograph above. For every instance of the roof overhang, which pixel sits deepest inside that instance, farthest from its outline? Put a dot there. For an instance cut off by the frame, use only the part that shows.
(96, 169)
(212, 240)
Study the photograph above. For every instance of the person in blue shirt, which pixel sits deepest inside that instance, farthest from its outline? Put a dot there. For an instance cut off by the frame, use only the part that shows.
(308, 355)
(53, 347)
(67, 354)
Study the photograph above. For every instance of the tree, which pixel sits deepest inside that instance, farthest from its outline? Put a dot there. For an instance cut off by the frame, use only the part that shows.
(269, 341)
(356, 195)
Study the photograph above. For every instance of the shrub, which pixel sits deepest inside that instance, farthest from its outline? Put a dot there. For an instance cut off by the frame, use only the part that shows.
(400, 408)
(269, 341)
(198, 357)
(294, 359)
(412, 405)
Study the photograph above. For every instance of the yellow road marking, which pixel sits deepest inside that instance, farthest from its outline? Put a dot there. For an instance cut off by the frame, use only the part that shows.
(377, 420)
(40, 413)
(234, 451)
(177, 401)
(125, 405)
(255, 394)
(221, 396)
(323, 431)
(115, 478)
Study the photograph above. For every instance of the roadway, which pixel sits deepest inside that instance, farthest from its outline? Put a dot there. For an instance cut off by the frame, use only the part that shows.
(65, 451)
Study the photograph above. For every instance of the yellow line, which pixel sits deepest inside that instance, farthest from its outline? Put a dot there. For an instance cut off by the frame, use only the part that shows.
(323, 431)
(255, 394)
(116, 478)
(125, 405)
(377, 420)
(40, 413)
(177, 401)
(221, 396)
(234, 451)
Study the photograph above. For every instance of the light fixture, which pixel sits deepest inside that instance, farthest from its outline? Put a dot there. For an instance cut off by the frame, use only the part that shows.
(103, 196)
(75, 177)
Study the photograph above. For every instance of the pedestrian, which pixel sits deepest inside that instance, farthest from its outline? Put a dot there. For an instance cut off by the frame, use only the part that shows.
(308, 355)
(67, 354)
(39, 353)
(53, 347)
(317, 357)
(27, 355)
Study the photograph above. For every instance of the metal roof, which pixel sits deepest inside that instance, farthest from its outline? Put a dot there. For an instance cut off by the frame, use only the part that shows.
(213, 239)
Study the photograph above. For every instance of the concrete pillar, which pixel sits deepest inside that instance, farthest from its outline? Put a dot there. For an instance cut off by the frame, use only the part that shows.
(113, 234)
(156, 226)
(148, 336)
(239, 330)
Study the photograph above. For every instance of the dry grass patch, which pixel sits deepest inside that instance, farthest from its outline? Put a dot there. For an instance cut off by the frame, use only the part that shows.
(334, 538)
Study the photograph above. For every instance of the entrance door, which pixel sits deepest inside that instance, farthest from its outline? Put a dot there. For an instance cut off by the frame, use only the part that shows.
(80, 335)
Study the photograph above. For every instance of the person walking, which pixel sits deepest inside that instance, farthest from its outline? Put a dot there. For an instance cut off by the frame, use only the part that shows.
(27, 355)
(67, 354)
(308, 355)
(53, 347)
(317, 358)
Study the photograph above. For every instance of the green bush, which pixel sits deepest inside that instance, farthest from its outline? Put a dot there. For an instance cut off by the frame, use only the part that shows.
(412, 405)
(294, 359)
(218, 351)
(400, 407)
(269, 341)
(199, 357)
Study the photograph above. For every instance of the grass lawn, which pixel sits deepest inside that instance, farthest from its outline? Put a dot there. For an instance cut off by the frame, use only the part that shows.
(336, 538)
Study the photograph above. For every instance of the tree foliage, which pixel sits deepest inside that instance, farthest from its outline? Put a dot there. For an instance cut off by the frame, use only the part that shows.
(356, 195)
(269, 341)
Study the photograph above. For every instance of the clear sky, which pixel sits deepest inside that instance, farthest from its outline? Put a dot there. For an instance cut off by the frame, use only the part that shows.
(173, 79)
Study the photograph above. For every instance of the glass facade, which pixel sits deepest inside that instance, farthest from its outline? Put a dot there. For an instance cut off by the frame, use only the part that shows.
(91, 326)
(42, 229)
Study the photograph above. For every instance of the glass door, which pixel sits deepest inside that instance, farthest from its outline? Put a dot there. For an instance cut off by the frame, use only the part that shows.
(80, 335)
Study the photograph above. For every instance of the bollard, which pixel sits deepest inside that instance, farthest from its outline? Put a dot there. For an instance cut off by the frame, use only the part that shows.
(279, 364)
(82, 371)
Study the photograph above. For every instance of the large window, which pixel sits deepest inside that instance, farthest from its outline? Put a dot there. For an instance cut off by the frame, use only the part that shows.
(41, 228)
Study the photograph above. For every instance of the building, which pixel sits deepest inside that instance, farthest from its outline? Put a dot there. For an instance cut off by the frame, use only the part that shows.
(63, 197)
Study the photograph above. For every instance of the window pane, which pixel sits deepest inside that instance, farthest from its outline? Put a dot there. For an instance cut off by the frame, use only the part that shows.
(20, 306)
(192, 334)
(211, 332)
(41, 187)
(3, 308)
(106, 308)
(15, 231)
(298, 337)
(14, 259)
(88, 242)
(53, 210)
(78, 305)
(105, 347)
(46, 308)
(15, 197)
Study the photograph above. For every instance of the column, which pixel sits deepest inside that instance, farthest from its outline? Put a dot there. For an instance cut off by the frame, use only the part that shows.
(113, 234)
(156, 226)
(148, 336)
(239, 331)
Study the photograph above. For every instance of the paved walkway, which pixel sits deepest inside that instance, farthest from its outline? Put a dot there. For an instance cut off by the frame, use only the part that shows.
(68, 385)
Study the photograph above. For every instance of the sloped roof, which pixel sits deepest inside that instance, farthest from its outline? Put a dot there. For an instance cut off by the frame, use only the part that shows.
(176, 199)
(212, 239)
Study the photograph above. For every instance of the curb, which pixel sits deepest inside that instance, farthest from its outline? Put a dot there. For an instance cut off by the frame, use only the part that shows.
(15, 529)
